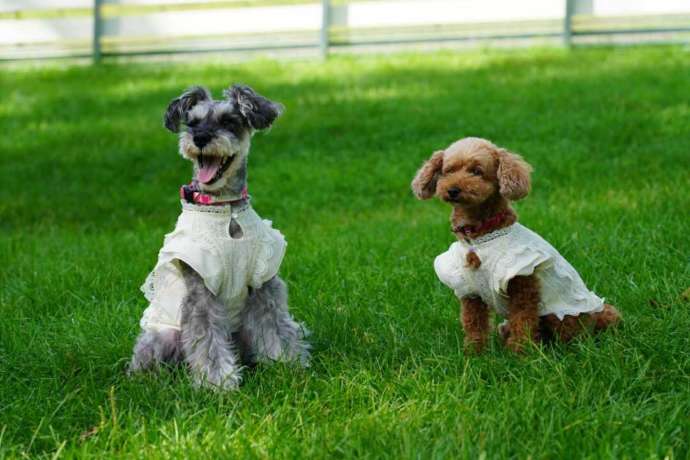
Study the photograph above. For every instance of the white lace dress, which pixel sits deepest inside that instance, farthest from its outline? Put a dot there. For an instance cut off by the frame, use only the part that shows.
(510, 252)
(227, 265)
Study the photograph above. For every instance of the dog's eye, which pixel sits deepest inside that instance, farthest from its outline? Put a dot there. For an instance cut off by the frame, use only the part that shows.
(476, 171)
(193, 122)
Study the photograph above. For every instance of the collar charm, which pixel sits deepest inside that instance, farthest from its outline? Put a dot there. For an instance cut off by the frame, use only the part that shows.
(472, 259)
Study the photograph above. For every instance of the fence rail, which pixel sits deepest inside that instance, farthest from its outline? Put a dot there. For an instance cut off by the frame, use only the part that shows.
(112, 28)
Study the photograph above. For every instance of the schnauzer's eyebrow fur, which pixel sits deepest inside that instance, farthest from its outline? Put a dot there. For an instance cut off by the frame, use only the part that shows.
(214, 110)
(224, 107)
(199, 111)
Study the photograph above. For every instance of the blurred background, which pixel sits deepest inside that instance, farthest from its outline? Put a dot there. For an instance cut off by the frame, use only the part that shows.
(98, 29)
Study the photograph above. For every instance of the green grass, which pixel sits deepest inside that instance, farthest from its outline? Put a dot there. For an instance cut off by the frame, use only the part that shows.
(89, 187)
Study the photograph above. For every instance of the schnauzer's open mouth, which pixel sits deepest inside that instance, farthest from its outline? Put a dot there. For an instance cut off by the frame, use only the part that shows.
(212, 167)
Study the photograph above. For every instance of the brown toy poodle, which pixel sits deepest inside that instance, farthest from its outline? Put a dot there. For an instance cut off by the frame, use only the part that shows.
(498, 263)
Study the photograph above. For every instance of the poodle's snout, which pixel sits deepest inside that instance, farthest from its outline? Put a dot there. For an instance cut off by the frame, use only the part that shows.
(202, 139)
(453, 193)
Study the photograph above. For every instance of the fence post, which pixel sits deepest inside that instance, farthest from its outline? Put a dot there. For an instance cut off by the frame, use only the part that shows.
(324, 39)
(568, 24)
(97, 30)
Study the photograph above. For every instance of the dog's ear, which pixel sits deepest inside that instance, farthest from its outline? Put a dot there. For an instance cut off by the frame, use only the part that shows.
(256, 109)
(177, 109)
(513, 175)
(424, 183)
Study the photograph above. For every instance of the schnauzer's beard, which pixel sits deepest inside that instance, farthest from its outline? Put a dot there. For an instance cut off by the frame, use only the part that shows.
(221, 146)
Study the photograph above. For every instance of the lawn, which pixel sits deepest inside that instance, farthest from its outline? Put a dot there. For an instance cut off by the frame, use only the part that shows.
(89, 187)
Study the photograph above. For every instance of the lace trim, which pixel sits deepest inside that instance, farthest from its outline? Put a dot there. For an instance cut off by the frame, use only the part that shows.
(491, 236)
(573, 311)
(225, 209)
(149, 286)
(272, 242)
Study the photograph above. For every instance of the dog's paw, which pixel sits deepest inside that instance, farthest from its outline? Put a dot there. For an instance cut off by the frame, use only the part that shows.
(520, 344)
(296, 353)
(143, 360)
(135, 367)
(303, 347)
(228, 383)
(515, 345)
(503, 330)
(299, 352)
(219, 380)
(304, 356)
(291, 347)
(474, 346)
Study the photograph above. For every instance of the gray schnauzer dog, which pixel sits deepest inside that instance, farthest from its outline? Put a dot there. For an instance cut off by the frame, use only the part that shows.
(216, 301)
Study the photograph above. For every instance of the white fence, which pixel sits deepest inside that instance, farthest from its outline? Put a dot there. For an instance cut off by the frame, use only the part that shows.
(57, 28)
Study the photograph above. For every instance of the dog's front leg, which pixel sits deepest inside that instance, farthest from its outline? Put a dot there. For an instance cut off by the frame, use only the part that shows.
(154, 348)
(475, 322)
(206, 336)
(268, 330)
(523, 311)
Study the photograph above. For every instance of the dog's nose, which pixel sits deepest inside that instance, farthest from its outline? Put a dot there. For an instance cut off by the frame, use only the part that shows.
(201, 139)
(453, 192)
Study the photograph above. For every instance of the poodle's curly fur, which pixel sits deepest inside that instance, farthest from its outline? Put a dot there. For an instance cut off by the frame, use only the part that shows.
(480, 179)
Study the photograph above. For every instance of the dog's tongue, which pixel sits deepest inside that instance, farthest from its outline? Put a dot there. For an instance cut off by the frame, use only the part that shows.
(208, 168)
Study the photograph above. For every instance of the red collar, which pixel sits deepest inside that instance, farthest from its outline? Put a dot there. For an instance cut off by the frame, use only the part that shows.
(192, 194)
(488, 225)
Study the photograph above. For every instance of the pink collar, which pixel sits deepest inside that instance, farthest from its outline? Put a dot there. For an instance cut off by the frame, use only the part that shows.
(192, 194)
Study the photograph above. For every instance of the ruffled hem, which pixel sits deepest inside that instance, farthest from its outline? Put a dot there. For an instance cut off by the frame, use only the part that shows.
(447, 270)
(524, 262)
(565, 311)
(271, 251)
(158, 279)
(594, 304)
(168, 262)
(165, 290)
(226, 266)
(570, 310)
(152, 320)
